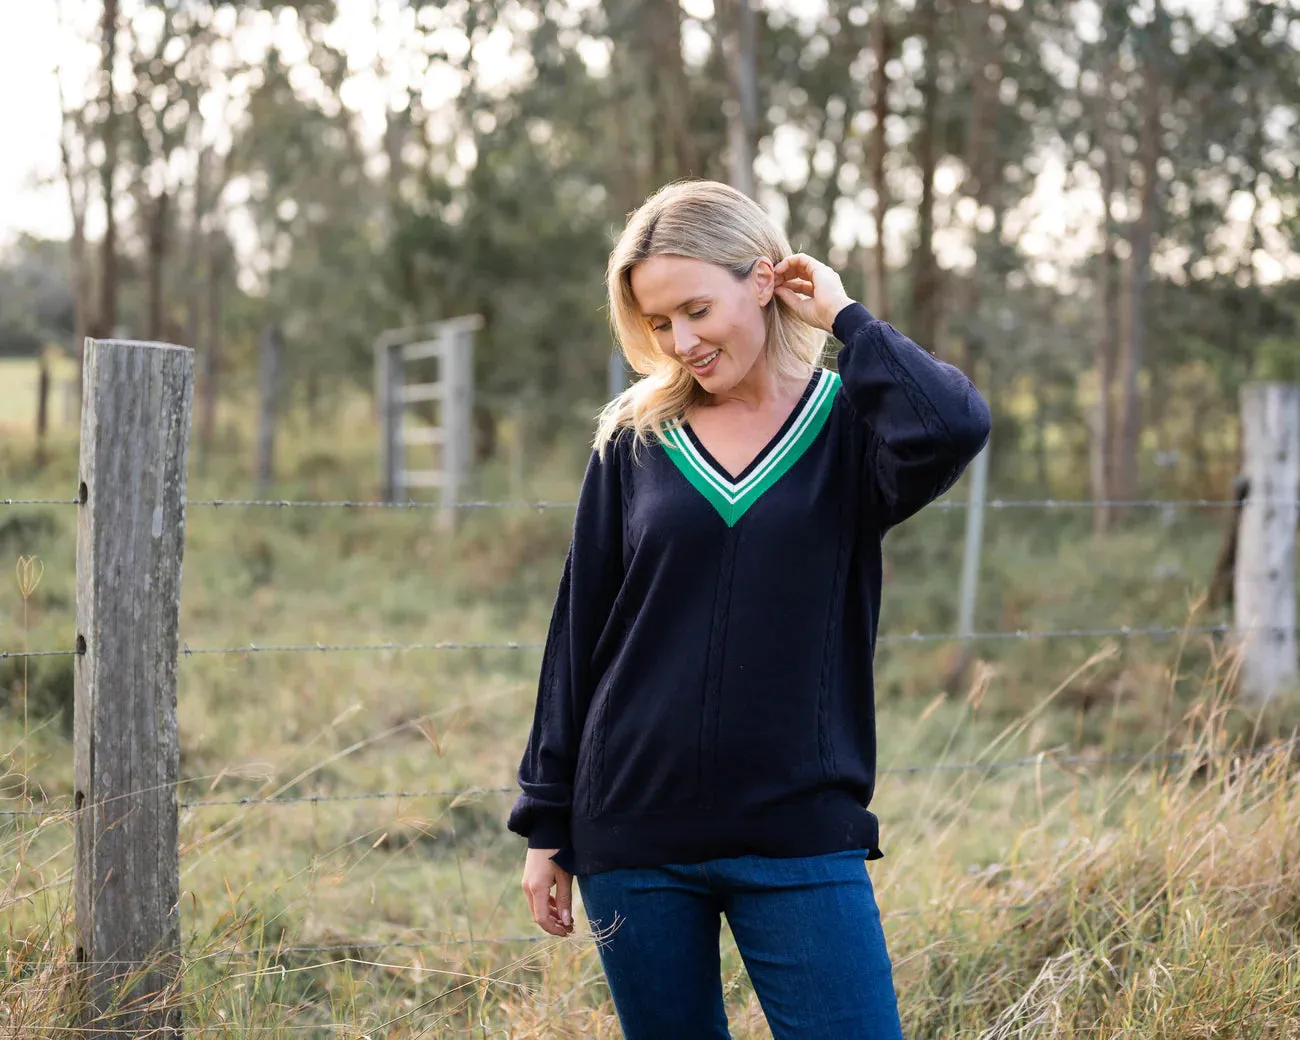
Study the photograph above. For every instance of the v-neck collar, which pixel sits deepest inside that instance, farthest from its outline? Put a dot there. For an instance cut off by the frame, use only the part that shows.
(732, 496)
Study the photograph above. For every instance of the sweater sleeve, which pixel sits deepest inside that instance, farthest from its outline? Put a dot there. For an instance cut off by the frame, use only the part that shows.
(924, 420)
(589, 584)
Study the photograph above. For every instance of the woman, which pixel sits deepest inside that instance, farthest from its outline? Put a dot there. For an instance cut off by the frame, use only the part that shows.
(704, 739)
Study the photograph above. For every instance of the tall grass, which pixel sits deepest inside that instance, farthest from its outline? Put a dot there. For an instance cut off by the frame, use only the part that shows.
(1076, 896)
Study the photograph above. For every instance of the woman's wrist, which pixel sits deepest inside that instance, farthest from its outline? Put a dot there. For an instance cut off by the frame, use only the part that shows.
(837, 308)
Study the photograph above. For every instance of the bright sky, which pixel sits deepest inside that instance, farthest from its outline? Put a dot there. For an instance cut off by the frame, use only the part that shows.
(29, 121)
(33, 198)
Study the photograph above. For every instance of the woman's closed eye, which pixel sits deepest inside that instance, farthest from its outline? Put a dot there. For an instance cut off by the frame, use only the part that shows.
(693, 315)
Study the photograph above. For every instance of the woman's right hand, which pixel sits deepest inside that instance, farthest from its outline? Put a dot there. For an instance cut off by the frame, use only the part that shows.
(552, 913)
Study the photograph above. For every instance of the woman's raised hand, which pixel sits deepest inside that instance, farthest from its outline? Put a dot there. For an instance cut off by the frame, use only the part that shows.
(811, 289)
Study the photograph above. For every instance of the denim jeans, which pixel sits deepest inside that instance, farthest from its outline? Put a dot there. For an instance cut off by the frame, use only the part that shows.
(808, 930)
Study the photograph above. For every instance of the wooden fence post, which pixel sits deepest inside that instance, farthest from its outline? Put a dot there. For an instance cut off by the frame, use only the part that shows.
(135, 425)
(1264, 585)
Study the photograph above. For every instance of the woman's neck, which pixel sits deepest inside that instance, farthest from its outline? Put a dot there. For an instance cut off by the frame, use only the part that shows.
(761, 388)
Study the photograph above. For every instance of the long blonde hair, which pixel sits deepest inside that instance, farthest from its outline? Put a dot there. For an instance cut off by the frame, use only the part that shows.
(702, 220)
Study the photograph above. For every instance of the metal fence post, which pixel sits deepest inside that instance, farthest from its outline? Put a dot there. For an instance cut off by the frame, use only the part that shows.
(135, 424)
(970, 567)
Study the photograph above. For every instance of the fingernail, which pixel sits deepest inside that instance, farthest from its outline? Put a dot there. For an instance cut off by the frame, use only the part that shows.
(567, 918)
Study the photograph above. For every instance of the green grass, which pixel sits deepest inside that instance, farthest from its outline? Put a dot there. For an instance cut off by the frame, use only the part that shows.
(19, 383)
(1051, 900)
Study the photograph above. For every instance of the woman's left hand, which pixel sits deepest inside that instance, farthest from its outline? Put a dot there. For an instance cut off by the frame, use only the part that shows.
(811, 289)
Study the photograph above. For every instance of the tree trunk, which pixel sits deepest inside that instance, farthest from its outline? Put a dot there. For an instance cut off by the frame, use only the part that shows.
(194, 253)
(1142, 232)
(75, 178)
(211, 356)
(879, 272)
(80, 291)
(925, 287)
(42, 409)
(269, 349)
(739, 21)
(664, 73)
(107, 318)
(978, 185)
(1103, 426)
(157, 258)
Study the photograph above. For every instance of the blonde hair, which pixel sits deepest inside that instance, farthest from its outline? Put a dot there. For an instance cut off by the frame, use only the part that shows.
(701, 220)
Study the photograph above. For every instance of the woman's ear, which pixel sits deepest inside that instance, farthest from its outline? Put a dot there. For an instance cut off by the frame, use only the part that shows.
(762, 279)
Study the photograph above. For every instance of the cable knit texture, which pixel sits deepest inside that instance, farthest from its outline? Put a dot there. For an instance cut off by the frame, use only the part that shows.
(706, 688)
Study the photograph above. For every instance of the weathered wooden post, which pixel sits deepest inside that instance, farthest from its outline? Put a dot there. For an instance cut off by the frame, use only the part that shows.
(1264, 585)
(135, 425)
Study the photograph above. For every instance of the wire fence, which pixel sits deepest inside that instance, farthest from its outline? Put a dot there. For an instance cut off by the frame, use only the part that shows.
(352, 949)
(1036, 761)
(1024, 635)
(348, 948)
(540, 505)
(943, 504)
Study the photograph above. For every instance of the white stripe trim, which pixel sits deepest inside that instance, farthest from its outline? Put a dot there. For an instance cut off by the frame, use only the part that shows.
(787, 442)
(732, 491)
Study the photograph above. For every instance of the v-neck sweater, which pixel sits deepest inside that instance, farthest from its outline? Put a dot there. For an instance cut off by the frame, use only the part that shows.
(706, 684)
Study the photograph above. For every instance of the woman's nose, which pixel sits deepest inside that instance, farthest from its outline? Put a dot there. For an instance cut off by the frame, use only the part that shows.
(684, 340)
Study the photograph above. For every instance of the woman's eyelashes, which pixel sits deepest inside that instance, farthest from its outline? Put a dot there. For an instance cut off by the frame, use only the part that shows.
(693, 315)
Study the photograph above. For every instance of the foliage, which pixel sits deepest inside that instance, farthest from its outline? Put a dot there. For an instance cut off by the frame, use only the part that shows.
(480, 157)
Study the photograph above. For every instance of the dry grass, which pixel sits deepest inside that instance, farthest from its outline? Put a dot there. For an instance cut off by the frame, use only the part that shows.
(1055, 900)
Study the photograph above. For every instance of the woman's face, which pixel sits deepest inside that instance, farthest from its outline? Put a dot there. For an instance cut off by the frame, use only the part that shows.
(705, 318)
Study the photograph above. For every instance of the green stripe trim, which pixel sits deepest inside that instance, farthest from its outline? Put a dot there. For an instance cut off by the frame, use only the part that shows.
(732, 499)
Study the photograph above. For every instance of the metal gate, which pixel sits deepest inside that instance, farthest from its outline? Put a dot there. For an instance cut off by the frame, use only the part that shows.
(439, 441)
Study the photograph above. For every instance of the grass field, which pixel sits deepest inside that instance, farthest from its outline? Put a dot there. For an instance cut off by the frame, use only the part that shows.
(19, 381)
(1072, 896)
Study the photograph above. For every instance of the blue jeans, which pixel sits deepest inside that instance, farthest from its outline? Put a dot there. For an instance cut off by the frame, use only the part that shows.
(808, 930)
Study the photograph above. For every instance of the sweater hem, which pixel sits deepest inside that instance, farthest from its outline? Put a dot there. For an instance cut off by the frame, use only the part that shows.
(806, 827)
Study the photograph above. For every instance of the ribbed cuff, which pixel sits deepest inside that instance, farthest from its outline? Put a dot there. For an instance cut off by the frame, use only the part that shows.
(849, 320)
(549, 832)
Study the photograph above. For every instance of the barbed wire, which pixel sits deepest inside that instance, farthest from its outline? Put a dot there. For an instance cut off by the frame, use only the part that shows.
(1045, 758)
(252, 648)
(369, 504)
(1119, 503)
(339, 947)
(545, 504)
(993, 503)
(395, 944)
(1123, 631)
(365, 796)
(1120, 632)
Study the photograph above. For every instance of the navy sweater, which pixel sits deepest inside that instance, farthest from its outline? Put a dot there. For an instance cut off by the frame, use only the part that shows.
(706, 688)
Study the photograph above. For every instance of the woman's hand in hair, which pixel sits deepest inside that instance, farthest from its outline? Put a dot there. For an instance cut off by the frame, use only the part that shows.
(553, 913)
(811, 289)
